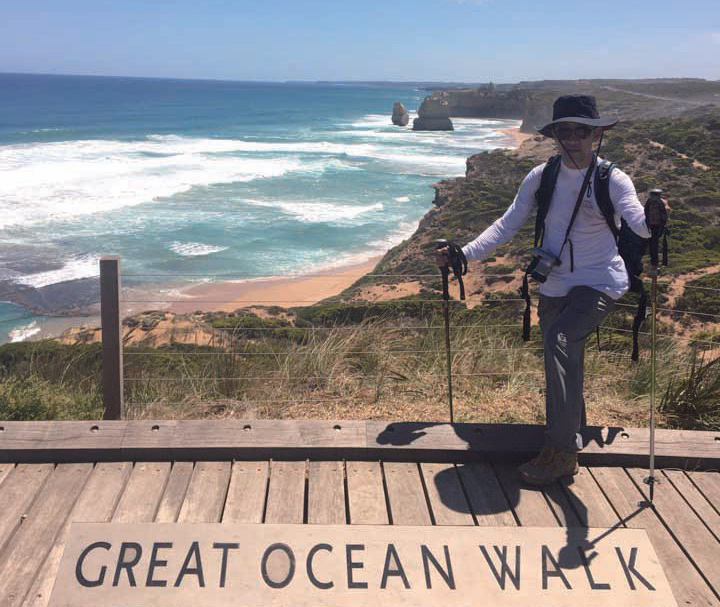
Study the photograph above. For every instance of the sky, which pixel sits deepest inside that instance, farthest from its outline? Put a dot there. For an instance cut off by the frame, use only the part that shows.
(418, 40)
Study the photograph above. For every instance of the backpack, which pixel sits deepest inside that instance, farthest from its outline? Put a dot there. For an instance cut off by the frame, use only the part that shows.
(631, 247)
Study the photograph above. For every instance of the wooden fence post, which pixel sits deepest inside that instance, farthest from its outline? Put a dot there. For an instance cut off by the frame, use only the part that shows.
(112, 353)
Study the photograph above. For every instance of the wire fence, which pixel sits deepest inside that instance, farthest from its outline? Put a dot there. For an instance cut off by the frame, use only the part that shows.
(370, 350)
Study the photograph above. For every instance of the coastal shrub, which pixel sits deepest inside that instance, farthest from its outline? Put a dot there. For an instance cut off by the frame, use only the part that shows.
(499, 269)
(706, 340)
(52, 361)
(704, 299)
(692, 401)
(356, 313)
(246, 325)
(33, 398)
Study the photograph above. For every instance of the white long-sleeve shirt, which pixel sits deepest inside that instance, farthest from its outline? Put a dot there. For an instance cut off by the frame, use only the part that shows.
(596, 262)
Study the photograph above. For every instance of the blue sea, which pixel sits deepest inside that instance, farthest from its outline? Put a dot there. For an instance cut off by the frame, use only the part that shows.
(209, 180)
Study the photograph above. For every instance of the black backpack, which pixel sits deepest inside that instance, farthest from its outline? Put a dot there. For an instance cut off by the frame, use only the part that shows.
(631, 247)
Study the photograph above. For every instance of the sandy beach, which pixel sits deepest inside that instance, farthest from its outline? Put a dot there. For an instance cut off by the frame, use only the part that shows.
(282, 291)
(516, 136)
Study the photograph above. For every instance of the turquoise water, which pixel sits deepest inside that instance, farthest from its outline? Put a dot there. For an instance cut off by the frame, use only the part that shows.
(203, 178)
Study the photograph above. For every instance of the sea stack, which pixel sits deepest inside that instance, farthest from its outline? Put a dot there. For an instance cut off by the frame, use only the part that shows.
(400, 117)
(433, 115)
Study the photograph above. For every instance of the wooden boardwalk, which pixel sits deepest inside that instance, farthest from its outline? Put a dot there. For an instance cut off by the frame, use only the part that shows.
(38, 501)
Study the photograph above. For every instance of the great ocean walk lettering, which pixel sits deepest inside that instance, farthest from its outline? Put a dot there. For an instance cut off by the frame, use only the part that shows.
(199, 565)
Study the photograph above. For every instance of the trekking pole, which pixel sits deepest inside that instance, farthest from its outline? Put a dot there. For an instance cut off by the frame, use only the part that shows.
(656, 217)
(445, 272)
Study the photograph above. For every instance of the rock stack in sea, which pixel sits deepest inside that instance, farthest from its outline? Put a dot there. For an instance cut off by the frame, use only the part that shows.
(433, 115)
(400, 117)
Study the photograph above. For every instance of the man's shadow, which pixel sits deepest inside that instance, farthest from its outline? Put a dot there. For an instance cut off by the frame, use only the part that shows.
(498, 494)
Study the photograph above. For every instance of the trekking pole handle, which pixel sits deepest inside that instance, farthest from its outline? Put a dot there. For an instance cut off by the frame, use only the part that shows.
(655, 211)
(656, 218)
(441, 244)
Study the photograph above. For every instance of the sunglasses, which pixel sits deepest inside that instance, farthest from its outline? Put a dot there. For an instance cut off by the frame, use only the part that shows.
(566, 132)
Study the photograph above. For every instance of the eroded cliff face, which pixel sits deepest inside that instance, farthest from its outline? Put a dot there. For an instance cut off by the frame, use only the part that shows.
(488, 103)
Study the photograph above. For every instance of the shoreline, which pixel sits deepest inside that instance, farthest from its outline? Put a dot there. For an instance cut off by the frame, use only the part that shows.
(227, 296)
(516, 136)
(282, 291)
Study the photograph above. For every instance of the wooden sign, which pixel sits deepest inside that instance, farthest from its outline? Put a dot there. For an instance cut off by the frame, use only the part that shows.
(227, 565)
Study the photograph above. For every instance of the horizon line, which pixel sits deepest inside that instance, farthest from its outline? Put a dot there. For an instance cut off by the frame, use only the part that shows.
(350, 81)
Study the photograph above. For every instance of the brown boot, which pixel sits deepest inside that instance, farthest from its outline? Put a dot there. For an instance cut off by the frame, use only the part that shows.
(549, 465)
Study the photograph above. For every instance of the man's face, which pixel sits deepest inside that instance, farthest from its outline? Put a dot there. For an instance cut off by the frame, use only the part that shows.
(575, 138)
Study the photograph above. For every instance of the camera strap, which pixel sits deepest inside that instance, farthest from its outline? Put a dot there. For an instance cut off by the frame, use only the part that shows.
(581, 195)
(525, 289)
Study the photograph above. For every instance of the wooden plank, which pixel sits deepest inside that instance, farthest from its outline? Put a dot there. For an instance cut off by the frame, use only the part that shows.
(560, 504)
(264, 439)
(96, 504)
(286, 493)
(5, 470)
(205, 498)
(17, 494)
(27, 549)
(486, 495)
(445, 493)
(175, 491)
(55, 441)
(590, 504)
(139, 501)
(689, 530)
(245, 501)
(709, 485)
(326, 493)
(406, 495)
(697, 500)
(366, 494)
(191, 440)
(528, 502)
(688, 585)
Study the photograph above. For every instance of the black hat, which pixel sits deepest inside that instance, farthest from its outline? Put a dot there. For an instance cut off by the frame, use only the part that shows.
(576, 108)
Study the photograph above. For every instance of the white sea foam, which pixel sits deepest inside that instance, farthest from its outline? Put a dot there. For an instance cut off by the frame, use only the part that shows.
(45, 181)
(41, 182)
(402, 199)
(23, 333)
(319, 212)
(375, 120)
(85, 266)
(194, 249)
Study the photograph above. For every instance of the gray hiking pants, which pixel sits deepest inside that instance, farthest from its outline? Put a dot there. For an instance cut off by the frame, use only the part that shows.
(566, 322)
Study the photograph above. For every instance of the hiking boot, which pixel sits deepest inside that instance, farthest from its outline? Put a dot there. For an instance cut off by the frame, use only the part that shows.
(548, 466)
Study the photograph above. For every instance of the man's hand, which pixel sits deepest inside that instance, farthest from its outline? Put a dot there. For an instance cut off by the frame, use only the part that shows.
(442, 258)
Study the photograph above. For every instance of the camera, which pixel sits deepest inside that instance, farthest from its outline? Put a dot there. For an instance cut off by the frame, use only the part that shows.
(541, 264)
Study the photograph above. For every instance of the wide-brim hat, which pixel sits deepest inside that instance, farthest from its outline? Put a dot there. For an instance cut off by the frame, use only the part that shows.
(576, 108)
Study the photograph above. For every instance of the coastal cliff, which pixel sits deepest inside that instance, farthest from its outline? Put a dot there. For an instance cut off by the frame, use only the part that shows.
(531, 102)
(680, 155)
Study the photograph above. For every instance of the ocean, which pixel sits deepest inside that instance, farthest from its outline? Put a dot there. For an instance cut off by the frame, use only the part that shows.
(190, 181)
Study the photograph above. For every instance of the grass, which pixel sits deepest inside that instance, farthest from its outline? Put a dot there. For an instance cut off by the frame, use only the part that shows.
(381, 367)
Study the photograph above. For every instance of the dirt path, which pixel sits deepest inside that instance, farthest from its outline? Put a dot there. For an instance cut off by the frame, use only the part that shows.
(683, 101)
(677, 286)
(696, 163)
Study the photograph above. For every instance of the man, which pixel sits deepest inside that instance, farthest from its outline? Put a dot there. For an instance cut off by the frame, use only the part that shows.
(579, 292)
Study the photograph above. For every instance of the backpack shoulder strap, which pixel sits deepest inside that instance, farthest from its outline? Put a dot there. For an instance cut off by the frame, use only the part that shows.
(602, 195)
(543, 195)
